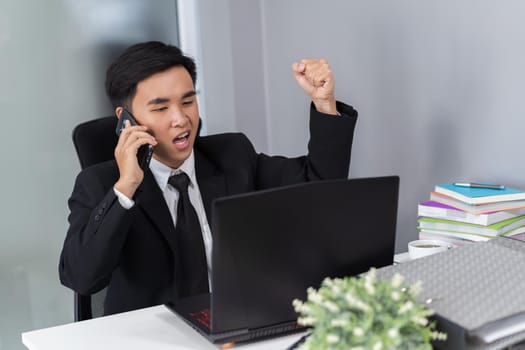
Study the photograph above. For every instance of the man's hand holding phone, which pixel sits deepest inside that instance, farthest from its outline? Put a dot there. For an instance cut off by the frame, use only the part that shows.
(133, 152)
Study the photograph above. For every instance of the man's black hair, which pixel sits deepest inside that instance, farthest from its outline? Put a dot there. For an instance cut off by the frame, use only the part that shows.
(138, 62)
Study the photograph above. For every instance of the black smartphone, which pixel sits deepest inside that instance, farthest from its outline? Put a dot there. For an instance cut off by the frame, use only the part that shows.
(145, 151)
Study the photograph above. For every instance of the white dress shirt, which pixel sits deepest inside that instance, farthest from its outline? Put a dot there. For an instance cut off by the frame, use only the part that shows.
(162, 173)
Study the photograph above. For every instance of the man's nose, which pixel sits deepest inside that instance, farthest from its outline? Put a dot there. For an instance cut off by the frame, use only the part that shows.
(177, 117)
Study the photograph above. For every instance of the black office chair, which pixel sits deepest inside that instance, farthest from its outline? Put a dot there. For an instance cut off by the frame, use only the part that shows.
(94, 142)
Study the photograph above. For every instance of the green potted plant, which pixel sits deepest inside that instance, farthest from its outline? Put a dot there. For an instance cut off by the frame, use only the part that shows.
(361, 313)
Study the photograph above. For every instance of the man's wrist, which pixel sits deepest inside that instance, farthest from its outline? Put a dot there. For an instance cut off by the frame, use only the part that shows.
(326, 107)
(126, 188)
(125, 201)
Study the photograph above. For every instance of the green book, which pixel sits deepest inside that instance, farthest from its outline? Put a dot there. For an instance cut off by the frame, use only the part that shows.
(497, 229)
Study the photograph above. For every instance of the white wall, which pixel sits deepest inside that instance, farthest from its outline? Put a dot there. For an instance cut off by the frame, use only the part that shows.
(438, 85)
(233, 68)
(218, 98)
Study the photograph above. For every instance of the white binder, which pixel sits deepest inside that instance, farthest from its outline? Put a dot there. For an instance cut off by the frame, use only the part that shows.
(477, 292)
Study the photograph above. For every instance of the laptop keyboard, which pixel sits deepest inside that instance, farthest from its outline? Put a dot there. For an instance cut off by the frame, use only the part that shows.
(203, 317)
(264, 333)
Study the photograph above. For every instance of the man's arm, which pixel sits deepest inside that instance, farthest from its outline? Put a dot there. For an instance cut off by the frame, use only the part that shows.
(330, 144)
(329, 151)
(96, 235)
(332, 127)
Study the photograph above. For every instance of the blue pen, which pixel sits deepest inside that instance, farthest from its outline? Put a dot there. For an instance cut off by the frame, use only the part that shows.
(479, 185)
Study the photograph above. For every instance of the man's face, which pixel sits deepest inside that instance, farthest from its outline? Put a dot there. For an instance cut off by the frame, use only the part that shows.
(166, 103)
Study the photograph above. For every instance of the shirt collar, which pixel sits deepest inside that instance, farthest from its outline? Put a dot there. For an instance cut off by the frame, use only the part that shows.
(162, 172)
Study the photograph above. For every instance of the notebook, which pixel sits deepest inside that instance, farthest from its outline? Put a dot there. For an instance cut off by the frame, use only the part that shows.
(270, 246)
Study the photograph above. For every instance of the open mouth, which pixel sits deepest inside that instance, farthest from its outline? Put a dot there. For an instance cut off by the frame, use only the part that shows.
(182, 138)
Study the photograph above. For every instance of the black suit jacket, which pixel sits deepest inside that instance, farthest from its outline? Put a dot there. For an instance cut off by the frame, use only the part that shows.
(132, 252)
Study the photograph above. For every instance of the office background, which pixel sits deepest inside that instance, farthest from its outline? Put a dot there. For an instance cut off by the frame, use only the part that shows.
(438, 86)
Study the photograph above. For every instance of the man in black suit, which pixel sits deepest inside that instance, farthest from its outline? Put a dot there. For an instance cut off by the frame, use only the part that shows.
(123, 233)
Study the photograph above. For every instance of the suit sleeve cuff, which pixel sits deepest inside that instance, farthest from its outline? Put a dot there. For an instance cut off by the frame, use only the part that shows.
(124, 201)
(343, 110)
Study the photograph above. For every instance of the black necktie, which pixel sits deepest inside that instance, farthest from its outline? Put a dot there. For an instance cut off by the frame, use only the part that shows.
(191, 245)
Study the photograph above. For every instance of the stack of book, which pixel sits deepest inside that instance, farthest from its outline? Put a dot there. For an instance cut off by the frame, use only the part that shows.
(461, 214)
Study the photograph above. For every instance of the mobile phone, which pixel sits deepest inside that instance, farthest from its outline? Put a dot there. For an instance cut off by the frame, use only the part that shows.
(145, 151)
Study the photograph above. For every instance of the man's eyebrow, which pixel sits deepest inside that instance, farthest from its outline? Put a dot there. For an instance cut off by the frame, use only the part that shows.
(189, 94)
(158, 101)
(161, 100)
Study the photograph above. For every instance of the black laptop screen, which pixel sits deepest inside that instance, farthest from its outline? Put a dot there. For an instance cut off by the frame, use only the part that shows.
(270, 246)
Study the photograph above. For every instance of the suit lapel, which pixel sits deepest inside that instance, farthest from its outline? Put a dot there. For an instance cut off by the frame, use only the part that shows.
(151, 200)
(212, 183)
(149, 197)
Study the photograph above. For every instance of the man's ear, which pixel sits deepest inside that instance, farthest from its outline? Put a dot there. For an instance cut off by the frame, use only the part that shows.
(118, 111)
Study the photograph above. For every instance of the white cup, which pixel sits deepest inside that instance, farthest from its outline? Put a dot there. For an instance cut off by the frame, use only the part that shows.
(424, 247)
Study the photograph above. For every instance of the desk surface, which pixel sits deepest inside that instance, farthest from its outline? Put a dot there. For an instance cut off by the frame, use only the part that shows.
(151, 328)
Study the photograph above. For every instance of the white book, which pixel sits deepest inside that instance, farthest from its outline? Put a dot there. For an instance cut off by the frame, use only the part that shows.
(460, 235)
(442, 211)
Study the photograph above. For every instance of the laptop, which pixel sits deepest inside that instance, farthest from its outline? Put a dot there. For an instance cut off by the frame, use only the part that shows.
(270, 246)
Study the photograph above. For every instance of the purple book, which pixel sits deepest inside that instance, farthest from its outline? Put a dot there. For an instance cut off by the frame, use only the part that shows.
(437, 205)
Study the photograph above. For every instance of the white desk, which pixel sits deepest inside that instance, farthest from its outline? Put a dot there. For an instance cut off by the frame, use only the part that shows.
(151, 328)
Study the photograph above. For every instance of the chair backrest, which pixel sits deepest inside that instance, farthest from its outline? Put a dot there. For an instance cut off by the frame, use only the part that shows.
(95, 142)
